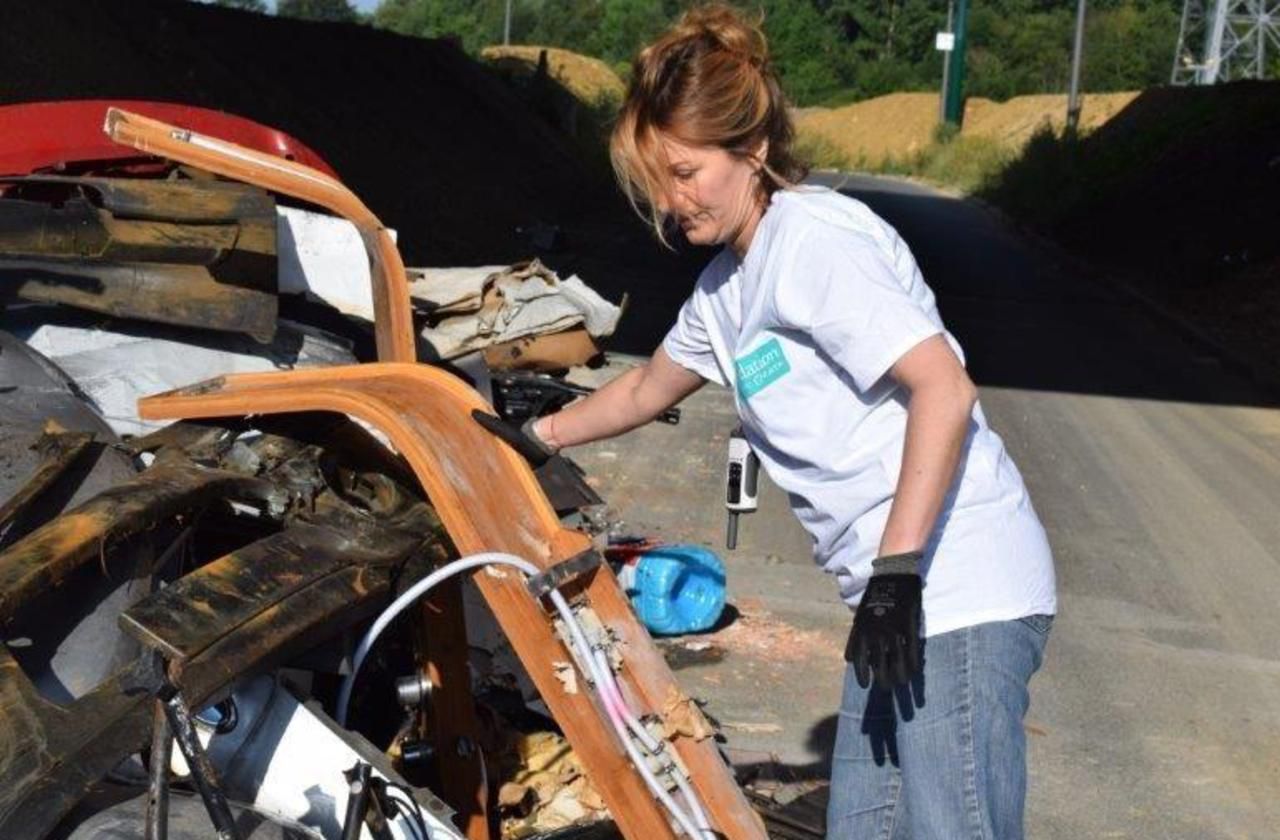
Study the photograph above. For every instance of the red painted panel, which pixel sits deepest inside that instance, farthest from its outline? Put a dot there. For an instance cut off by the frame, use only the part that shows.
(51, 136)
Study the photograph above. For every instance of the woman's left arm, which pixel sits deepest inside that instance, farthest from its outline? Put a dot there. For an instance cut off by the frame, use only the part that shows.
(938, 413)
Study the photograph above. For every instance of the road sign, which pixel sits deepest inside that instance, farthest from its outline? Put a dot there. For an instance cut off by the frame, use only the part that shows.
(945, 41)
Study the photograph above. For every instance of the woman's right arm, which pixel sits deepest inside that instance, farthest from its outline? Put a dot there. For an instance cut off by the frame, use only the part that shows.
(633, 399)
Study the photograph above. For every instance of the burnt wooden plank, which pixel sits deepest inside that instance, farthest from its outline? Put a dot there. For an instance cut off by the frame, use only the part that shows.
(47, 555)
(189, 616)
(184, 295)
(194, 253)
(175, 201)
(59, 450)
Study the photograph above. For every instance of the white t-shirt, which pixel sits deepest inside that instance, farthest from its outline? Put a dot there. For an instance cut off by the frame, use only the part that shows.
(803, 330)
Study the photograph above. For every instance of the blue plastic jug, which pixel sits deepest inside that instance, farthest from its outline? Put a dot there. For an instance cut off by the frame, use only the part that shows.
(676, 588)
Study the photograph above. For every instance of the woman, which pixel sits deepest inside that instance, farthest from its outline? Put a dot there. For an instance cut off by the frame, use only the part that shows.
(857, 401)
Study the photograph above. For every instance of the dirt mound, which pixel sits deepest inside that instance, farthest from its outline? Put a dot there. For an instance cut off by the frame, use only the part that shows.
(431, 140)
(590, 80)
(897, 126)
(1012, 123)
(870, 132)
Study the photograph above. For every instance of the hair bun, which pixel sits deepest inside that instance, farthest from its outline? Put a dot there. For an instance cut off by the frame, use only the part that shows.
(706, 82)
(727, 27)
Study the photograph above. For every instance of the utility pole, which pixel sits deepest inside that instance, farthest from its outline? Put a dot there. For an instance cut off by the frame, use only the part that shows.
(953, 108)
(946, 60)
(1077, 51)
(506, 26)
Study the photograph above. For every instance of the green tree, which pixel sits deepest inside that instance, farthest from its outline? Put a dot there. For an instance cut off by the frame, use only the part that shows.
(833, 51)
(1130, 46)
(807, 50)
(477, 23)
(624, 26)
(570, 24)
(331, 10)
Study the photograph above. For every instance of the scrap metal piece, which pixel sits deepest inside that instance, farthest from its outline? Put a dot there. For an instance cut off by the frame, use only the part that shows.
(202, 773)
(554, 577)
(392, 315)
(134, 199)
(358, 778)
(51, 754)
(566, 488)
(157, 817)
(489, 500)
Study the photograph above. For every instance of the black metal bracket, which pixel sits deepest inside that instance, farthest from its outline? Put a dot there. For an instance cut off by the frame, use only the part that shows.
(183, 729)
(555, 577)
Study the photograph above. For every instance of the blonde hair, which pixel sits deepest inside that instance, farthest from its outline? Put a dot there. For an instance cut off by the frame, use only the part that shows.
(705, 82)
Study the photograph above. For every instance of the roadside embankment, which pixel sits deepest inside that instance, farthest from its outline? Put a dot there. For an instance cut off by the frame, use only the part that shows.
(1176, 195)
(1173, 191)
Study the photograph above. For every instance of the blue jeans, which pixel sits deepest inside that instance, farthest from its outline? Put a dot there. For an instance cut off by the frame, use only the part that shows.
(943, 758)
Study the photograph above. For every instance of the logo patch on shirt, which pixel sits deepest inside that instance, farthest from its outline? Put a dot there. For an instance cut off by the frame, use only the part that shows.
(761, 368)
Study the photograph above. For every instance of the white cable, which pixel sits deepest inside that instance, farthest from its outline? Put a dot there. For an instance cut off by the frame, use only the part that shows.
(654, 746)
(413, 593)
(602, 677)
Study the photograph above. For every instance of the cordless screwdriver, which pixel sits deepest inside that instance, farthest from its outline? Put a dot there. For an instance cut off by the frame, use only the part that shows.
(742, 483)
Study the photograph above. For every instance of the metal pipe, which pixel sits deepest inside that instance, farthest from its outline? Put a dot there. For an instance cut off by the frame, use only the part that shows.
(357, 800)
(157, 827)
(954, 108)
(202, 772)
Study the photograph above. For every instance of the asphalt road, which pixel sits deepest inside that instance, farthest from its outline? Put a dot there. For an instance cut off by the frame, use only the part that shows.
(1157, 473)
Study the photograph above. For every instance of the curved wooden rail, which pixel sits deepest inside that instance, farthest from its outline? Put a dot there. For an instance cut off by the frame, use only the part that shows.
(489, 500)
(393, 321)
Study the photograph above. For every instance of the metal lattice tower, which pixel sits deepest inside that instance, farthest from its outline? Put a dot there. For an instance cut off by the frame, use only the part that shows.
(1222, 40)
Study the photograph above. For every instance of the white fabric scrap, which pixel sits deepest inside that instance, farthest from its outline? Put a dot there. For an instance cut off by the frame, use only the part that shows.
(533, 300)
(325, 258)
(116, 368)
(442, 290)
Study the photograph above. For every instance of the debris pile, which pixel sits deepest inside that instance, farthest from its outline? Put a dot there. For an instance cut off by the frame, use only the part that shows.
(502, 309)
(210, 577)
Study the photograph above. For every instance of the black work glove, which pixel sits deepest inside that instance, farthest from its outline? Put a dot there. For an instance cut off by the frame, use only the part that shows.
(885, 641)
(522, 439)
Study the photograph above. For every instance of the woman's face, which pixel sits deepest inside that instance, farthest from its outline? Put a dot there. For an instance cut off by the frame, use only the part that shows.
(715, 196)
